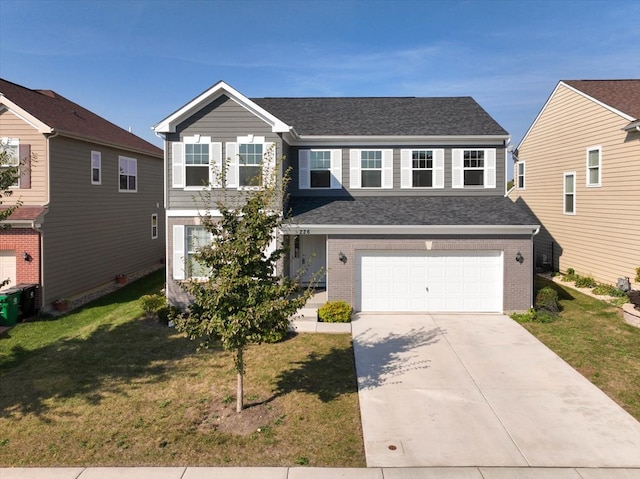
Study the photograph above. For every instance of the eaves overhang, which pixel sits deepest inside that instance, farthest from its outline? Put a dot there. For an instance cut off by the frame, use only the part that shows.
(24, 115)
(394, 140)
(315, 229)
(169, 124)
(115, 145)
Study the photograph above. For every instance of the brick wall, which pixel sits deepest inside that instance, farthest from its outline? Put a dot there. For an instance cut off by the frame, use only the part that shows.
(518, 277)
(20, 241)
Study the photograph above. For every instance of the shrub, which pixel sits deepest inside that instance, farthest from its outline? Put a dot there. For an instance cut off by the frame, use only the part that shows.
(638, 274)
(152, 303)
(335, 312)
(570, 275)
(524, 317)
(634, 297)
(168, 313)
(585, 282)
(547, 300)
(608, 290)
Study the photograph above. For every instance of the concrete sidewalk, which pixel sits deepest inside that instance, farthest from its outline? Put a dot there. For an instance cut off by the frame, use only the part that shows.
(317, 473)
(479, 390)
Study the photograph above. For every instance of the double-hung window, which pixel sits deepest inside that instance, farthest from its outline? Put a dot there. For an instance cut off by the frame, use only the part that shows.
(11, 149)
(594, 160)
(128, 168)
(371, 168)
(520, 175)
(196, 164)
(320, 168)
(569, 193)
(250, 164)
(154, 226)
(96, 168)
(422, 168)
(473, 168)
(195, 238)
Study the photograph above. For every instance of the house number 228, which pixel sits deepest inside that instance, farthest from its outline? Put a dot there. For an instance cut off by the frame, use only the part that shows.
(304, 232)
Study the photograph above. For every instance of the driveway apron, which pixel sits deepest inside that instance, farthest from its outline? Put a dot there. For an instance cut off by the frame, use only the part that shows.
(479, 390)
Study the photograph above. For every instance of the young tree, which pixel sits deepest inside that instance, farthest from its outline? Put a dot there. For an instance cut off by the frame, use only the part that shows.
(241, 300)
(9, 174)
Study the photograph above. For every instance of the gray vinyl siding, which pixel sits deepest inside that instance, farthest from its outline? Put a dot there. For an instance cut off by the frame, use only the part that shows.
(397, 191)
(94, 232)
(224, 121)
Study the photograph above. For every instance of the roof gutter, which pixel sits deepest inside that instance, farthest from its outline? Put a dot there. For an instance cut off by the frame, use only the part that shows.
(109, 144)
(309, 229)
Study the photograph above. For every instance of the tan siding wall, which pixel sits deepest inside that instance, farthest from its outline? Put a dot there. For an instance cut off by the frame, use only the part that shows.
(93, 232)
(12, 126)
(603, 238)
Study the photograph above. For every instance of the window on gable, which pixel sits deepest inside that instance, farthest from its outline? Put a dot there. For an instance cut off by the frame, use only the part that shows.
(196, 238)
(422, 168)
(569, 193)
(473, 167)
(250, 164)
(594, 159)
(128, 168)
(11, 146)
(320, 168)
(96, 168)
(196, 158)
(371, 168)
(520, 175)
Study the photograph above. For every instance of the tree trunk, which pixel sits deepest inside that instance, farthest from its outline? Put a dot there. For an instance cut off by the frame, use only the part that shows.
(240, 386)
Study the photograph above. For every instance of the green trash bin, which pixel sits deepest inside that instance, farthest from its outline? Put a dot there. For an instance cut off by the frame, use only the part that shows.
(9, 306)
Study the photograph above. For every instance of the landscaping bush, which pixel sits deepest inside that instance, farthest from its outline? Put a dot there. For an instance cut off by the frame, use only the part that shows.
(152, 303)
(585, 282)
(638, 275)
(570, 275)
(634, 297)
(608, 290)
(529, 316)
(335, 312)
(547, 300)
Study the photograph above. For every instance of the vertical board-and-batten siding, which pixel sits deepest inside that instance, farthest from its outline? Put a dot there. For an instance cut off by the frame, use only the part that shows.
(224, 121)
(12, 126)
(603, 238)
(94, 232)
(397, 190)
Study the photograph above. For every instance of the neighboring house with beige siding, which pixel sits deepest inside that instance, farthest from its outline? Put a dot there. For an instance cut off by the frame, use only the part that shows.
(92, 197)
(578, 170)
(399, 202)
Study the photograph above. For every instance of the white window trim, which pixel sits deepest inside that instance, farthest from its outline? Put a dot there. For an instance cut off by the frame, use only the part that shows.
(268, 160)
(355, 169)
(597, 148)
(14, 143)
(406, 169)
(518, 175)
(154, 226)
(564, 193)
(304, 169)
(457, 168)
(135, 161)
(96, 164)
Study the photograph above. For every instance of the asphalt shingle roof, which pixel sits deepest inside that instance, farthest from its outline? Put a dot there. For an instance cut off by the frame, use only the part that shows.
(409, 210)
(623, 95)
(387, 116)
(63, 115)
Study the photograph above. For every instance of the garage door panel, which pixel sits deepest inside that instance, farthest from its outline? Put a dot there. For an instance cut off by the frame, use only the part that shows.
(467, 281)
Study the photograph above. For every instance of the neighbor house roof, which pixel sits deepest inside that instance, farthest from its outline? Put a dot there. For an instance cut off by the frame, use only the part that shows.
(623, 95)
(393, 211)
(70, 119)
(383, 116)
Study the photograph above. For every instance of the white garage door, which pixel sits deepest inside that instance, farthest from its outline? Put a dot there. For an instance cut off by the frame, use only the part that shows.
(447, 281)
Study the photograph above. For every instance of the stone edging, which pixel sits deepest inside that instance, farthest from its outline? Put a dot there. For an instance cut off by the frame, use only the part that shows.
(631, 315)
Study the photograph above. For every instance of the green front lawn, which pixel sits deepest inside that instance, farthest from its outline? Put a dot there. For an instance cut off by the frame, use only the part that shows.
(593, 338)
(103, 387)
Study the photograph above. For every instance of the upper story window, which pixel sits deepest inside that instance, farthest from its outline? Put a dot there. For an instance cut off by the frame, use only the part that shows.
(570, 193)
(422, 168)
(154, 226)
(96, 168)
(196, 164)
(128, 168)
(594, 160)
(371, 168)
(250, 164)
(319, 169)
(520, 175)
(473, 168)
(11, 146)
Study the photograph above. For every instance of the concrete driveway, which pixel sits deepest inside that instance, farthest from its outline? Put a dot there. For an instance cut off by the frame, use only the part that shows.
(479, 390)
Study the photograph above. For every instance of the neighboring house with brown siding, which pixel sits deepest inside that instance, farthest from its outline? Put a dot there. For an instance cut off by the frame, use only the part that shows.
(399, 201)
(92, 196)
(578, 170)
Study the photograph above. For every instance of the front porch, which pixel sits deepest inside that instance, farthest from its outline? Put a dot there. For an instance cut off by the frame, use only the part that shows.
(306, 319)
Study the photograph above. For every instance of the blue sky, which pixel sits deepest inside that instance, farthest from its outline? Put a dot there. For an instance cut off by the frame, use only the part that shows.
(135, 62)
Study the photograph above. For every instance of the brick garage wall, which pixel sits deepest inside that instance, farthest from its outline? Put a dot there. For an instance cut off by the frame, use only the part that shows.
(23, 240)
(518, 278)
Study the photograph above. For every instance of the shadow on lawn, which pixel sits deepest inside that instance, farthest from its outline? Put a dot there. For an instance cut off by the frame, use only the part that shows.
(110, 361)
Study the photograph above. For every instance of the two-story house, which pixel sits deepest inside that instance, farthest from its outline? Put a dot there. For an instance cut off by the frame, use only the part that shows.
(92, 196)
(400, 201)
(577, 169)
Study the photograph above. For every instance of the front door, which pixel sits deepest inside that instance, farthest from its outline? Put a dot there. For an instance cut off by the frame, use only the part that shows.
(8, 267)
(308, 253)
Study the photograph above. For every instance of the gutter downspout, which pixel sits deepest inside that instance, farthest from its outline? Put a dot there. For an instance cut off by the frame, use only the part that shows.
(165, 176)
(46, 205)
